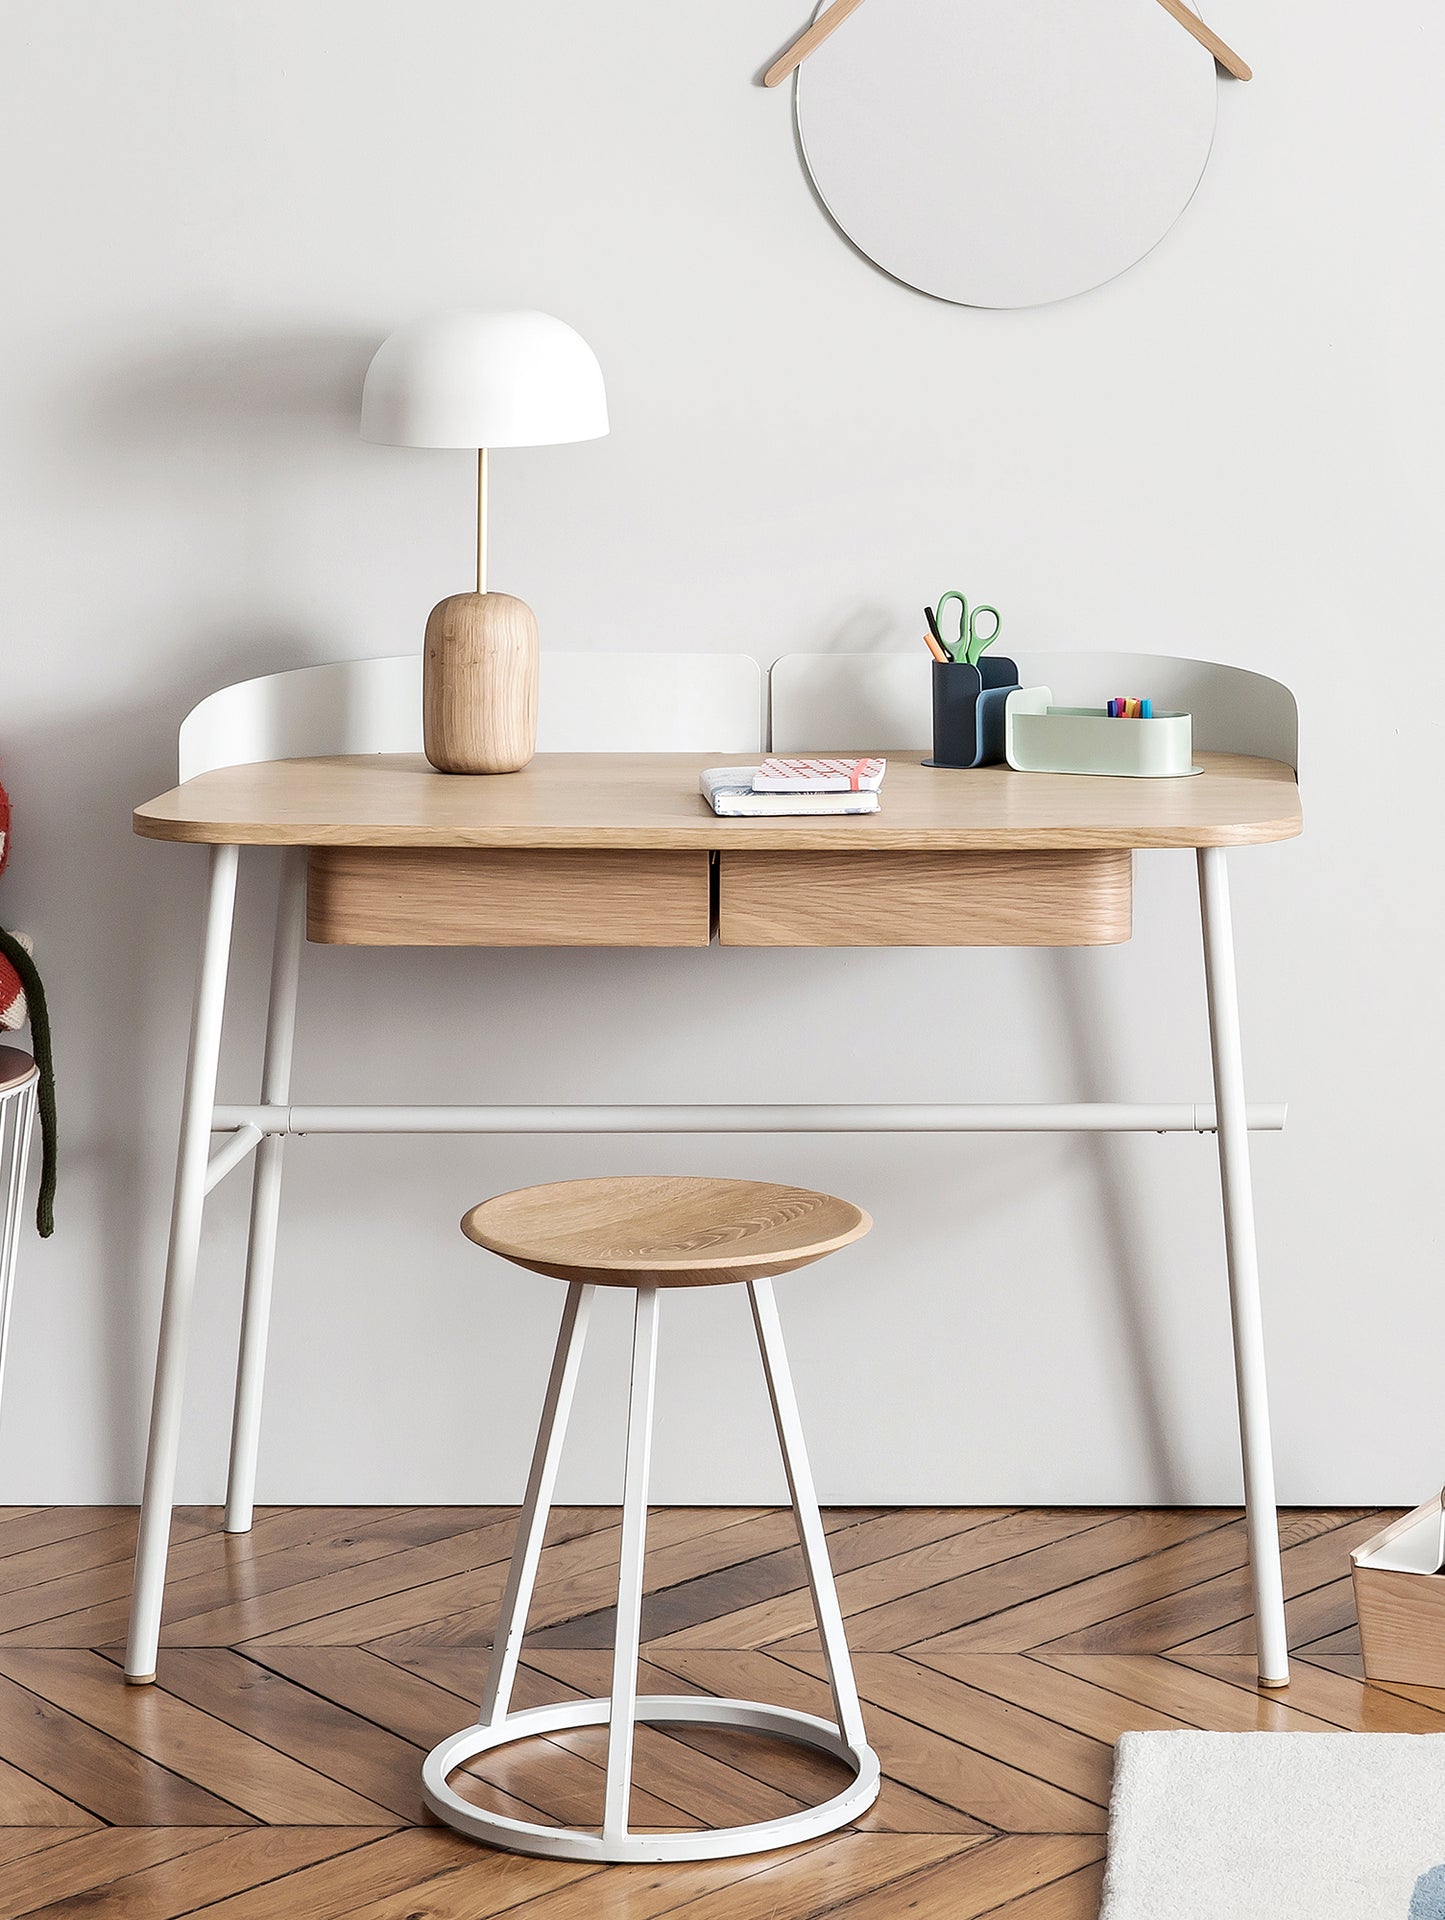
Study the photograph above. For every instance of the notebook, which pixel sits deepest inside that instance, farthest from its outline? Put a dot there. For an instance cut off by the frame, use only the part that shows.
(730, 790)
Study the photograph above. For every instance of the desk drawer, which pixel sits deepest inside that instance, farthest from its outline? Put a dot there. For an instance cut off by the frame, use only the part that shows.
(873, 899)
(507, 897)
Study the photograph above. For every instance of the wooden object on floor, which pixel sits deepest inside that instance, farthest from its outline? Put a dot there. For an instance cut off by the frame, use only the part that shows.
(1022, 899)
(479, 684)
(1400, 1599)
(1402, 1626)
(507, 897)
(664, 1230)
(650, 800)
(806, 43)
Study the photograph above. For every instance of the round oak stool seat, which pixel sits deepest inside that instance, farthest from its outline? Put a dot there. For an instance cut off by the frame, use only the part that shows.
(664, 1230)
(648, 1234)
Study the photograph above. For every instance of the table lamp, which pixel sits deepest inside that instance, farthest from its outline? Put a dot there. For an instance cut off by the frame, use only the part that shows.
(464, 379)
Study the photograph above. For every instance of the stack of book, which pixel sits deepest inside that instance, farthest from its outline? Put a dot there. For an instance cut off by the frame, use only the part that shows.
(781, 786)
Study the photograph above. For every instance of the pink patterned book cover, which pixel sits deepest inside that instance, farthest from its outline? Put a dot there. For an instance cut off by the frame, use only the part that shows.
(785, 775)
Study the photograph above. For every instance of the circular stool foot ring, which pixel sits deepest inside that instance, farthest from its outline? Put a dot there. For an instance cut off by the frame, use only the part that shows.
(711, 1843)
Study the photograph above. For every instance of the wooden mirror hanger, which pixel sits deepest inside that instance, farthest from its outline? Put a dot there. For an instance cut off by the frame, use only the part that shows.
(835, 15)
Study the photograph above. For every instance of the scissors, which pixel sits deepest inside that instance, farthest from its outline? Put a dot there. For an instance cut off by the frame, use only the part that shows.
(970, 645)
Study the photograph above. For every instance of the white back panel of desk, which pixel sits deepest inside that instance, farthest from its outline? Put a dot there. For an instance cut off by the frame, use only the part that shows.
(589, 703)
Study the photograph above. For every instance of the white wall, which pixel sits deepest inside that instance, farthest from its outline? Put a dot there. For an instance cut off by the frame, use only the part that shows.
(213, 210)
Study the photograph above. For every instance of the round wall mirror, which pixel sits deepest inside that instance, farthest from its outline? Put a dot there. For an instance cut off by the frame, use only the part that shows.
(1005, 153)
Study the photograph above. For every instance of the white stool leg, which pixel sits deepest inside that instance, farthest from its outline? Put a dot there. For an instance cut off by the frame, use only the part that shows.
(623, 1710)
(197, 1112)
(805, 1507)
(1261, 1519)
(266, 1195)
(532, 1523)
(17, 1121)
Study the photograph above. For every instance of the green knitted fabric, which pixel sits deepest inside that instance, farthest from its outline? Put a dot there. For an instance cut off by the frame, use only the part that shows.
(39, 1013)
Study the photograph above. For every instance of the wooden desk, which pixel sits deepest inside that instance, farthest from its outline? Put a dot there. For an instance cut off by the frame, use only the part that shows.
(621, 850)
(617, 849)
(650, 801)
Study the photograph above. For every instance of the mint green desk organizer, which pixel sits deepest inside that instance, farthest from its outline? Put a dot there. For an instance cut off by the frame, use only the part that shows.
(1042, 738)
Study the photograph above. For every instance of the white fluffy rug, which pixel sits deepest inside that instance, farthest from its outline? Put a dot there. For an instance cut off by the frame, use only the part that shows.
(1277, 1826)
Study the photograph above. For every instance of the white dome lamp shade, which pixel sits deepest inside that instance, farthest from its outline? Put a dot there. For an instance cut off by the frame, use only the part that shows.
(467, 379)
(484, 380)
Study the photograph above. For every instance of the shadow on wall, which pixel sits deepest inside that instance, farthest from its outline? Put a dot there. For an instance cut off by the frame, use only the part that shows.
(211, 435)
(231, 396)
(114, 922)
(1085, 1010)
(198, 446)
(851, 629)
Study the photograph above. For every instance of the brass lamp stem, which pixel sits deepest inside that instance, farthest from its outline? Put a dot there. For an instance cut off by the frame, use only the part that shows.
(481, 519)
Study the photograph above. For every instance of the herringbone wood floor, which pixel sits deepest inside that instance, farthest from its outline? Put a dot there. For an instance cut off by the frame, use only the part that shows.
(305, 1668)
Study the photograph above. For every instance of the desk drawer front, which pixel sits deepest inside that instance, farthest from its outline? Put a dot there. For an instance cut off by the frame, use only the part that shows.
(506, 897)
(873, 899)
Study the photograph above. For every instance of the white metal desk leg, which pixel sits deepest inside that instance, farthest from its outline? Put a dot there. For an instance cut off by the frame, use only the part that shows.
(622, 1711)
(1243, 1261)
(266, 1194)
(153, 1542)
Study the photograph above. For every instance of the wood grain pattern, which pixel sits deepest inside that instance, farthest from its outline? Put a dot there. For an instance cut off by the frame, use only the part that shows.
(1195, 1699)
(1001, 1795)
(910, 1572)
(258, 1701)
(507, 897)
(1402, 1625)
(105, 1858)
(651, 801)
(479, 684)
(665, 1230)
(578, 1564)
(214, 1571)
(279, 1775)
(1331, 1697)
(760, 1601)
(106, 1777)
(267, 1785)
(1005, 1872)
(116, 1881)
(1017, 899)
(27, 1802)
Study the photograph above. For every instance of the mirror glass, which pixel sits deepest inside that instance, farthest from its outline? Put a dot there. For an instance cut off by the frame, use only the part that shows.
(1005, 153)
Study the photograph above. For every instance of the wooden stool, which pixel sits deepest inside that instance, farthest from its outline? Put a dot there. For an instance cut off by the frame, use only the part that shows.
(649, 1233)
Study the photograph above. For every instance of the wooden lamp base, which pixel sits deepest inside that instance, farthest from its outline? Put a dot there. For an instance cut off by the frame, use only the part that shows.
(479, 684)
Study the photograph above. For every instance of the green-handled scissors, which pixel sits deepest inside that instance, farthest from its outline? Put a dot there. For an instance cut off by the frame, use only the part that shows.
(970, 644)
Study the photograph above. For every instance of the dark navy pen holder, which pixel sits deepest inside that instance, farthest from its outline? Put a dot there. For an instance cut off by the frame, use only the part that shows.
(968, 711)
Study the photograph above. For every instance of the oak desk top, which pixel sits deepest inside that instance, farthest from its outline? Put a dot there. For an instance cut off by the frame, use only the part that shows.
(651, 800)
